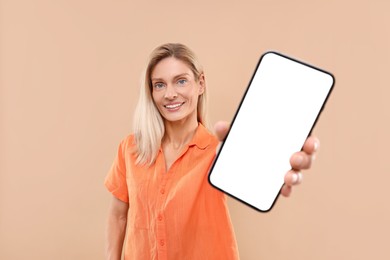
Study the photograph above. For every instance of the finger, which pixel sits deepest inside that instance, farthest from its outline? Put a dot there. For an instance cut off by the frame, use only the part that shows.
(221, 129)
(286, 190)
(293, 178)
(301, 160)
(311, 145)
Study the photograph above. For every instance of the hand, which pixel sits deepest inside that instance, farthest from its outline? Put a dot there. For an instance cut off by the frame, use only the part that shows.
(299, 160)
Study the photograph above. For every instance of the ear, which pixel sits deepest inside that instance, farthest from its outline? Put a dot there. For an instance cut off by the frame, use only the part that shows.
(202, 83)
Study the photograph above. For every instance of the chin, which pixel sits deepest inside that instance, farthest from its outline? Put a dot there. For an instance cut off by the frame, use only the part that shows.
(176, 118)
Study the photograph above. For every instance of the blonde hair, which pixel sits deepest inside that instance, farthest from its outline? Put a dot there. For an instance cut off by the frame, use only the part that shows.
(148, 124)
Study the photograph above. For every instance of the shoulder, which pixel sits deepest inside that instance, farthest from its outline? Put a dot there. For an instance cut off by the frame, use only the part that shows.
(204, 138)
(212, 138)
(128, 142)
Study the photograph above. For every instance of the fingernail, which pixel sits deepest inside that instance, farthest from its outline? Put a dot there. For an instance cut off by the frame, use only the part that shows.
(299, 180)
(315, 146)
(294, 178)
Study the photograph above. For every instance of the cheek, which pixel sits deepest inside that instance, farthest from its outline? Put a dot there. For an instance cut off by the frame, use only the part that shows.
(196, 95)
(192, 93)
(195, 99)
(155, 96)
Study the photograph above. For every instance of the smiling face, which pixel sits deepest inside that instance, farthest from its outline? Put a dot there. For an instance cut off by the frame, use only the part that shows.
(175, 90)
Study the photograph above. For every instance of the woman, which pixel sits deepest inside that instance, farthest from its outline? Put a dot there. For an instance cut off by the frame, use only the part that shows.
(162, 199)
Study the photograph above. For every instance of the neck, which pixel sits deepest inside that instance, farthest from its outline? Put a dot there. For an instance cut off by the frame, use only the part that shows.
(179, 133)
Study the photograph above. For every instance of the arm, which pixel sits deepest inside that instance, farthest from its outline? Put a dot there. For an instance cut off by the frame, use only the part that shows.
(116, 228)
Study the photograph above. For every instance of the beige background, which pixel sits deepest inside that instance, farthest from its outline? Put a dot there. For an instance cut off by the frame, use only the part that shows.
(69, 79)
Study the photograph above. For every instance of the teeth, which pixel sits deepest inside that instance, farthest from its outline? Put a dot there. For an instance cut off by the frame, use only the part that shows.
(173, 106)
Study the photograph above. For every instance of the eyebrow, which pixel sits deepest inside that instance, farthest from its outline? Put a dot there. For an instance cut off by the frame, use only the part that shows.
(175, 77)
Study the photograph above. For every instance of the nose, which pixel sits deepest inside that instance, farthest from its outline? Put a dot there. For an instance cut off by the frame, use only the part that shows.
(170, 92)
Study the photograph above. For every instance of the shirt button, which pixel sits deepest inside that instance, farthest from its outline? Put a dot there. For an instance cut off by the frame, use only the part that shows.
(160, 217)
(162, 242)
(162, 191)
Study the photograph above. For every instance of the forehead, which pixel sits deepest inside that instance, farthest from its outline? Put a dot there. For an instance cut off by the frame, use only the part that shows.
(169, 68)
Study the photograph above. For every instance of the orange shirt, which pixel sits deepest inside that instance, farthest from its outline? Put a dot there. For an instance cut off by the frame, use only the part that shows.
(174, 214)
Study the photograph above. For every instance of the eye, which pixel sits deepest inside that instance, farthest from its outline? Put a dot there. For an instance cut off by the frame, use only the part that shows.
(158, 85)
(181, 82)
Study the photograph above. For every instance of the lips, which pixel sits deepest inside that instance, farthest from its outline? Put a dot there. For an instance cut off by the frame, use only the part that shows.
(174, 106)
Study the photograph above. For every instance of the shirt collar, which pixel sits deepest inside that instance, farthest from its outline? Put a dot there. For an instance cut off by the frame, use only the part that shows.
(202, 137)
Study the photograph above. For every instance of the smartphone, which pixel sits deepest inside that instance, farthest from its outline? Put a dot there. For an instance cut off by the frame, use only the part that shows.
(277, 113)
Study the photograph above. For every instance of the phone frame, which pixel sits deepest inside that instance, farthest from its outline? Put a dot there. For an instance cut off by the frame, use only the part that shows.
(237, 112)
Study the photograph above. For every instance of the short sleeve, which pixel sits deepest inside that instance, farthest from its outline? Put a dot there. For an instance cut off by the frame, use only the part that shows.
(115, 181)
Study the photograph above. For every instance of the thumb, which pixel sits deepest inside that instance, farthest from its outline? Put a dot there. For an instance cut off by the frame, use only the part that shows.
(221, 129)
